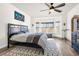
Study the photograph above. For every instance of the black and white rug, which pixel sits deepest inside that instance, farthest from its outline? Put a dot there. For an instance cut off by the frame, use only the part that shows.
(22, 51)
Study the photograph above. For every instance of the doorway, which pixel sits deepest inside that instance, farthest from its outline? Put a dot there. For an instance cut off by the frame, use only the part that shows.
(75, 32)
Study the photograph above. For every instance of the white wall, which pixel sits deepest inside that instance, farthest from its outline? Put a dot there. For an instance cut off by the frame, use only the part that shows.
(74, 11)
(7, 16)
(64, 20)
(58, 33)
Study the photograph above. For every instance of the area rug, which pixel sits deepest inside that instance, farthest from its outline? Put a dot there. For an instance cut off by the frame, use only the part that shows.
(22, 51)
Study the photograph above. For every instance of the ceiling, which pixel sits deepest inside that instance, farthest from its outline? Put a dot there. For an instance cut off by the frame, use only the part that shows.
(33, 9)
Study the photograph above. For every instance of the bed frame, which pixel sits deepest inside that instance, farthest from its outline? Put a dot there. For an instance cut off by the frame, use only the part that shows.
(14, 29)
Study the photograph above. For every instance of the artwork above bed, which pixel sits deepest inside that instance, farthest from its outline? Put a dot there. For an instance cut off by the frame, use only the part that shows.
(19, 16)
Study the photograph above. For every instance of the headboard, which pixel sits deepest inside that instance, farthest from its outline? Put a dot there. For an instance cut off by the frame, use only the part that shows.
(16, 29)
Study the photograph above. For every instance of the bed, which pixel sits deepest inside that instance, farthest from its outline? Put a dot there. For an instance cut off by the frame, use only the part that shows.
(20, 35)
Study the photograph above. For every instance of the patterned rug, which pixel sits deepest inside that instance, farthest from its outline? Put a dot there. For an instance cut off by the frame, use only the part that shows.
(22, 51)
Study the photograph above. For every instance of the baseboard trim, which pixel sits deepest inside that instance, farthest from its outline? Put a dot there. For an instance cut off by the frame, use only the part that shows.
(3, 49)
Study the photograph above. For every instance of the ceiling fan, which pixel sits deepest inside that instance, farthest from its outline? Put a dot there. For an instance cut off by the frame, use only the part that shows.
(53, 7)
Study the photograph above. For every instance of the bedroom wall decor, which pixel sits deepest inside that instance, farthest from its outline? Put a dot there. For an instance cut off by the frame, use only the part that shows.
(19, 16)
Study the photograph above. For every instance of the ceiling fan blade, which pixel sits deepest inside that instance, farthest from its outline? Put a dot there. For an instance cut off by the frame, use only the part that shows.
(47, 4)
(57, 10)
(61, 5)
(44, 10)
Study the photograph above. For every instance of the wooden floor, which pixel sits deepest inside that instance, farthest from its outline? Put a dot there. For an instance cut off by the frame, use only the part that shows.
(65, 48)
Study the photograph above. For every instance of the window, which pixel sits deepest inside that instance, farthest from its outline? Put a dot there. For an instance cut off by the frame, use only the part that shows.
(37, 24)
(44, 24)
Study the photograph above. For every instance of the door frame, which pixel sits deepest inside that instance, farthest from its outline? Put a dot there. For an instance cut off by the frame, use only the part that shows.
(72, 23)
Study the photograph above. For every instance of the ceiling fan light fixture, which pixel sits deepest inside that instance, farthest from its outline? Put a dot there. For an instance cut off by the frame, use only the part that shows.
(54, 8)
(51, 11)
